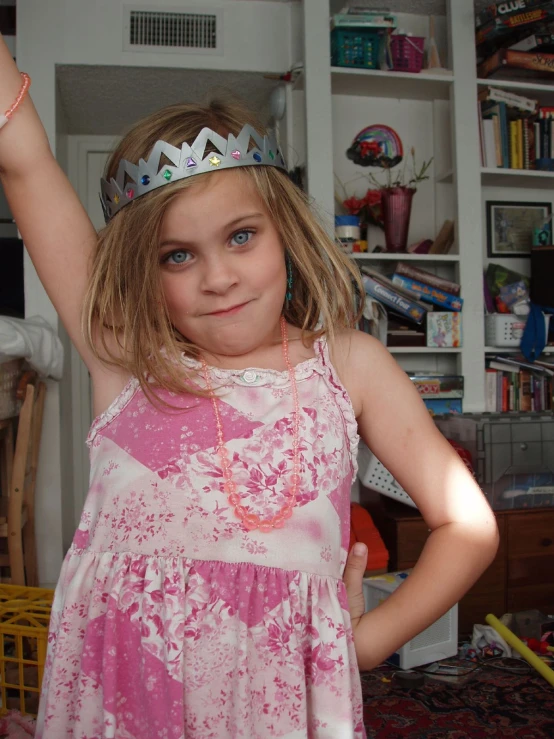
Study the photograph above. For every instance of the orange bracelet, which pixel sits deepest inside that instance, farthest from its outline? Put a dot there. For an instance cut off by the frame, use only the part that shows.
(22, 92)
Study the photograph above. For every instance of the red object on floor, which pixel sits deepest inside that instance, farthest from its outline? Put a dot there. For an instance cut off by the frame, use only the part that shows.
(363, 529)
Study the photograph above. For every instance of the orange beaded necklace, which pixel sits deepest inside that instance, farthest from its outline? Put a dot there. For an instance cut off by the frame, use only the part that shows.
(251, 521)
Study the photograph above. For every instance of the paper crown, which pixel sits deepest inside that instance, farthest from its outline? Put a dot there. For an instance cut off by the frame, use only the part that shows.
(247, 149)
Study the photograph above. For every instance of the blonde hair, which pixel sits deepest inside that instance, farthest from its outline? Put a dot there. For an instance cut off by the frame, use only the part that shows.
(124, 298)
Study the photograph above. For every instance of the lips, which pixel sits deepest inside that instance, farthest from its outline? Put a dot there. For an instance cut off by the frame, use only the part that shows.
(228, 311)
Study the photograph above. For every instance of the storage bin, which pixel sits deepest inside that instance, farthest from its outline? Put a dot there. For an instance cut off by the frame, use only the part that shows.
(355, 47)
(407, 53)
(24, 619)
(10, 372)
(506, 329)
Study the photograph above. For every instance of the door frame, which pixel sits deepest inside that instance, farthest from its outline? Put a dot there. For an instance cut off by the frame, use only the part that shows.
(78, 150)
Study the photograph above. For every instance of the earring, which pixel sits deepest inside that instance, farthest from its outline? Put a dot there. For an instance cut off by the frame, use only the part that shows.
(289, 278)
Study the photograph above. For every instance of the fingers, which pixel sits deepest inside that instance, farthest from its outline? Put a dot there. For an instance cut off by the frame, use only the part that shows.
(353, 581)
(355, 566)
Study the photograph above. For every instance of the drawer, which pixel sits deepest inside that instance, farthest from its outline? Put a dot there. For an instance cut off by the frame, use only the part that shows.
(537, 570)
(531, 596)
(531, 534)
(412, 536)
(474, 606)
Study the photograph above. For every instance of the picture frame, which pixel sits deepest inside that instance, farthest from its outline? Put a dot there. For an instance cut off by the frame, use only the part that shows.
(510, 226)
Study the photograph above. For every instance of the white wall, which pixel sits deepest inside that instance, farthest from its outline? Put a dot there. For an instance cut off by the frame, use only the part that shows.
(257, 37)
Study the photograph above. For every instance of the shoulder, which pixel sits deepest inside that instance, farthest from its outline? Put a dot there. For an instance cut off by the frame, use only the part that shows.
(360, 361)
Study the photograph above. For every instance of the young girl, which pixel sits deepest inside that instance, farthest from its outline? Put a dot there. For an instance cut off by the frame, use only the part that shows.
(202, 595)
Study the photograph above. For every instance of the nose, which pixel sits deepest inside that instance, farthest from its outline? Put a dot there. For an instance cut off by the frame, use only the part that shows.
(219, 274)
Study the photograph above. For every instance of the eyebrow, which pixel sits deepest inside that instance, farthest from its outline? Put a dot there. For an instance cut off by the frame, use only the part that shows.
(231, 224)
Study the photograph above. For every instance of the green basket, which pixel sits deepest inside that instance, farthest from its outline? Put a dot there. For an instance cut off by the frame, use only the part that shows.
(355, 47)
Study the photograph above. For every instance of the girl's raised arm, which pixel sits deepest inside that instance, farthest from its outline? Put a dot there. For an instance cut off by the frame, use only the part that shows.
(54, 226)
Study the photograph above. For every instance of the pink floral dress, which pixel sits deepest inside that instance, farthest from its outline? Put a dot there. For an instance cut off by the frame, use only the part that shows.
(170, 619)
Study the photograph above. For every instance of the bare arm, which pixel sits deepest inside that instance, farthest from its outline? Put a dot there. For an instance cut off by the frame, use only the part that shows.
(397, 427)
(54, 226)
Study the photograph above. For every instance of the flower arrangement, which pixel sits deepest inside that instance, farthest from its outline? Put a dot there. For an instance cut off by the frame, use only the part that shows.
(407, 176)
(369, 207)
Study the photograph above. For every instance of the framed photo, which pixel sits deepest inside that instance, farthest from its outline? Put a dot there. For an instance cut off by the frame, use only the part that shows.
(510, 226)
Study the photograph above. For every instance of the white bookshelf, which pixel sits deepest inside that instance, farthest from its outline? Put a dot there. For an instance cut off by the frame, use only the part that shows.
(440, 107)
(387, 257)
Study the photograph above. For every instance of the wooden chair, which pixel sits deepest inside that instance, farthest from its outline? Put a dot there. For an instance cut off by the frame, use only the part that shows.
(17, 512)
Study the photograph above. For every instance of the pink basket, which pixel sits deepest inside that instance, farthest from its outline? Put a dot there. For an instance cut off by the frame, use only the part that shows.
(407, 53)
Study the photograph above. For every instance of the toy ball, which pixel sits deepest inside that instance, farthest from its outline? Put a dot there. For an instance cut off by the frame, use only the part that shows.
(376, 146)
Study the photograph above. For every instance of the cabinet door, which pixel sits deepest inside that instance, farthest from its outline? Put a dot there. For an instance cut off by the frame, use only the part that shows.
(531, 561)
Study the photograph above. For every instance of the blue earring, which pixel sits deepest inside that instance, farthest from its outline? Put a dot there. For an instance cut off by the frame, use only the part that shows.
(289, 278)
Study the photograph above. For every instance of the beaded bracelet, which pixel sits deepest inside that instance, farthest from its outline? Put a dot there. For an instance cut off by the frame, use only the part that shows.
(22, 92)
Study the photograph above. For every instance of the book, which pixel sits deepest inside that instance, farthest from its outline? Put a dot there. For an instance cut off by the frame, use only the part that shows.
(490, 143)
(428, 293)
(497, 94)
(444, 239)
(393, 299)
(429, 278)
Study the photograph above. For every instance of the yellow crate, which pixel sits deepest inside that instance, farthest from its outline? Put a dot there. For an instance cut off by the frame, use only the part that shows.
(24, 619)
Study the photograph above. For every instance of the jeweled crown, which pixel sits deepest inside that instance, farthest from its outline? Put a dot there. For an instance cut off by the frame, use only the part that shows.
(247, 149)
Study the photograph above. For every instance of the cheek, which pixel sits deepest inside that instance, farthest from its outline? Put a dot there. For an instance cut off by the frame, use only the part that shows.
(178, 297)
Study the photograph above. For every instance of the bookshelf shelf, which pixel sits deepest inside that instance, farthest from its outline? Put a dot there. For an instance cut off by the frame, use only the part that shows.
(379, 83)
(516, 177)
(422, 350)
(513, 350)
(543, 92)
(404, 257)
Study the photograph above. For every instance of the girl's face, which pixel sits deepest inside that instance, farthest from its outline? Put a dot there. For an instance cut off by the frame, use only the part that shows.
(222, 266)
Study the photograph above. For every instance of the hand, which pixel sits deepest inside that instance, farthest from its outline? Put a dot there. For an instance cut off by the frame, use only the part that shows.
(353, 576)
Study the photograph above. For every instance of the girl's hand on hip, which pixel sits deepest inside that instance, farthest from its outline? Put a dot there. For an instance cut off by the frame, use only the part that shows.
(353, 576)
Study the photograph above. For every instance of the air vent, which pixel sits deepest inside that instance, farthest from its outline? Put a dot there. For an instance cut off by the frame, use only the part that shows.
(172, 30)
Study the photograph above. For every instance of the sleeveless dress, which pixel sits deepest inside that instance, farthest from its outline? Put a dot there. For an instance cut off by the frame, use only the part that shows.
(170, 619)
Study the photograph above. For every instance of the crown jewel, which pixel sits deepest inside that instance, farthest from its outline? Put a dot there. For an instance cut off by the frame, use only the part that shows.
(134, 180)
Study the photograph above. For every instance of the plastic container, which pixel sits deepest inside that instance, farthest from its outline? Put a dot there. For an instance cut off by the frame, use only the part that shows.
(347, 231)
(356, 47)
(375, 476)
(506, 329)
(10, 372)
(24, 619)
(407, 52)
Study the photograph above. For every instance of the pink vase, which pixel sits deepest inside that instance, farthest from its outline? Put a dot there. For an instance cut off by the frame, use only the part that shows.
(397, 207)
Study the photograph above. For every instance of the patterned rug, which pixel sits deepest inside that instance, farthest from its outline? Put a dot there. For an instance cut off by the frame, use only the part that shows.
(488, 703)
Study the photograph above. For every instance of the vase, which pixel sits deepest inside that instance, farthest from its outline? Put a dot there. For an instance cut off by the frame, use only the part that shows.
(397, 207)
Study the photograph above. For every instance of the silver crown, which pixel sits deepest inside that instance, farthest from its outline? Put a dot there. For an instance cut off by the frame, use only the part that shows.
(134, 180)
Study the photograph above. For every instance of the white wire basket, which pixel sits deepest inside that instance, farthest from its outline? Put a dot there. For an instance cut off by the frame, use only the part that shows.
(375, 476)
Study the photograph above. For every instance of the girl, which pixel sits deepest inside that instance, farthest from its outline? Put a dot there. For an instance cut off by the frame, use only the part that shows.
(202, 594)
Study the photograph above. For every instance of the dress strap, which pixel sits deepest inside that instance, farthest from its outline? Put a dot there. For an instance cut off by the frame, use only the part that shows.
(344, 403)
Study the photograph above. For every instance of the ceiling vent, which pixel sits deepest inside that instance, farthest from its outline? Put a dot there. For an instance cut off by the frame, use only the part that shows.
(179, 30)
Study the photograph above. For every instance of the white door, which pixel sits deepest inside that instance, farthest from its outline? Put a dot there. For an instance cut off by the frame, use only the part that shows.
(86, 161)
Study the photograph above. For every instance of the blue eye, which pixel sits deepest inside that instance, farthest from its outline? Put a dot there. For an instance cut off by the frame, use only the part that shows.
(176, 257)
(242, 237)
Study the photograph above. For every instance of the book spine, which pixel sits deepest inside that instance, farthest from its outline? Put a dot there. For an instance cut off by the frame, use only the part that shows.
(496, 94)
(537, 140)
(429, 293)
(513, 145)
(504, 134)
(392, 299)
(526, 161)
(490, 390)
(497, 140)
(519, 143)
(407, 270)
